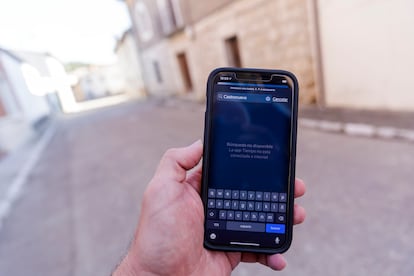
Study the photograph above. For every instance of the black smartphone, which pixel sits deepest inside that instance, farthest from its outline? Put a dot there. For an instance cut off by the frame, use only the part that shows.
(249, 160)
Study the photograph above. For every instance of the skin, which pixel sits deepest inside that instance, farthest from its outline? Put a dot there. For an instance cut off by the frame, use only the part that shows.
(169, 236)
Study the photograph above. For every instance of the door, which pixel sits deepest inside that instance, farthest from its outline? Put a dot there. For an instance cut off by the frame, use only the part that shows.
(185, 72)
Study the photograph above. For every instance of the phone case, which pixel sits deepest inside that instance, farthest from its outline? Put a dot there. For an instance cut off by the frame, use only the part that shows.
(207, 127)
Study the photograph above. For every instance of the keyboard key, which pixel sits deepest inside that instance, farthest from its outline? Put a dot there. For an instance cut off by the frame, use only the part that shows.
(266, 196)
(262, 217)
(219, 193)
(258, 206)
(246, 226)
(274, 207)
(238, 215)
(230, 215)
(235, 194)
(274, 197)
(211, 203)
(242, 205)
(212, 193)
(212, 214)
(280, 218)
(222, 214)
(254, 216)
(227, 194)
(246, 216)
(269, 217)
(243, 195)
(282, 197)
(215, 224)
(275, 228)
(250, 205)
(235, 205)
(259, 196)
(219, 204)
(227, 204)
(282, 207)
(266, 206)
(250, 195)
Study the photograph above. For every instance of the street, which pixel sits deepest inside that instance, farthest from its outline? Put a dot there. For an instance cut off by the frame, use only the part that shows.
(81, 203)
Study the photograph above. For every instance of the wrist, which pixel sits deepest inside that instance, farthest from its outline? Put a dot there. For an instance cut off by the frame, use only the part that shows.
(130, 266)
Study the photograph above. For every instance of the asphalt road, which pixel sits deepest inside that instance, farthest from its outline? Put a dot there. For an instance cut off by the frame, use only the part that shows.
(81, 203)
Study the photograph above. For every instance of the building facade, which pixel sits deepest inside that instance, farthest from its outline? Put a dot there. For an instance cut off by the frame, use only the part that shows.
(367, 51)
(130, 66)
(21, 109)
(181, 41)
(344, 53)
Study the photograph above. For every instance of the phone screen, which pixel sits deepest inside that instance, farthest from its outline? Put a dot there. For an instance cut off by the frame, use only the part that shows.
(249, 160)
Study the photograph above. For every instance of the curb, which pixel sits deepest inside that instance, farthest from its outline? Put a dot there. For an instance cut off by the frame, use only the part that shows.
(357, 129)
(16, 187)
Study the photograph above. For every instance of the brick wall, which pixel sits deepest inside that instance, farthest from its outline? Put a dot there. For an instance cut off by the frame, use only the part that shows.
(195, 10)
(271, 34)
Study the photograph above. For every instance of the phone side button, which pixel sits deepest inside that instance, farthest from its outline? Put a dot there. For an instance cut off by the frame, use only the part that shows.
(246, 226)
(275, 228)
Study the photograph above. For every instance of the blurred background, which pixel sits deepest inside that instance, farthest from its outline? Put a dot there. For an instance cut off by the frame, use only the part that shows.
(93, 92)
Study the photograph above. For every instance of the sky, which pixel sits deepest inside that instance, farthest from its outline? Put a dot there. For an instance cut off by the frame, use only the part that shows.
(71, 30)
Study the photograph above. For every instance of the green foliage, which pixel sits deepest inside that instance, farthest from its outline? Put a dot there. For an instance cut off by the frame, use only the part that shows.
(71, 66)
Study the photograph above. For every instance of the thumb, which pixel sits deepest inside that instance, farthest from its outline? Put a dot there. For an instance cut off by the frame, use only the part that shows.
(177, 161)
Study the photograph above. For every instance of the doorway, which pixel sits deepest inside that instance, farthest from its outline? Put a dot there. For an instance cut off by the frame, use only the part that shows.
(233, 53)
(185, 72)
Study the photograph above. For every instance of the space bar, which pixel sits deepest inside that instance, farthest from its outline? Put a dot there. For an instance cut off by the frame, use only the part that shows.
(246, 226)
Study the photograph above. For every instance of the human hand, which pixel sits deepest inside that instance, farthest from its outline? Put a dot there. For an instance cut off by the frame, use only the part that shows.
(169, 236)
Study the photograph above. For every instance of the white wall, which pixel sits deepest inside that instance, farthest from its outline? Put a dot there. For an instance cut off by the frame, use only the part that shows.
(33, 107)
(368, 53)
(7, 97)
(170, 78)
(129, 64)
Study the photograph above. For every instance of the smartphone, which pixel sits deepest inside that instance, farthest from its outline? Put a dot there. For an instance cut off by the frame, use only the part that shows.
(249, 160)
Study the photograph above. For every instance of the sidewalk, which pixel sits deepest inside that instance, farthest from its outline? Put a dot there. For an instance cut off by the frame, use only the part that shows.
(379, 124)
(355, 122)
(16, 167)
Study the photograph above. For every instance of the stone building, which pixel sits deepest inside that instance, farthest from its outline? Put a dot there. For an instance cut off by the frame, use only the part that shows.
(367, 52)
(129, 65)
(340, 58)
(181, 41)
(354, 54)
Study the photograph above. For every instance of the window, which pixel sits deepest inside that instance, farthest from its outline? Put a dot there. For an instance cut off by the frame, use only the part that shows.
(233, 53)
(2, 84)
(143, 21)
(170, 15)
(157, 71)
(2, 109)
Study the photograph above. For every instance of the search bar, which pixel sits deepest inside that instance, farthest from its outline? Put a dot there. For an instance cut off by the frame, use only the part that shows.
(250, 98)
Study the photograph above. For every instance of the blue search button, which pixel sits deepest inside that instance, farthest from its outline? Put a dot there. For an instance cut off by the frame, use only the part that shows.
(275, 228)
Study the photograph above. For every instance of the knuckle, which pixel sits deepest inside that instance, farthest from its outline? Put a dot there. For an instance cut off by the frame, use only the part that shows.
(170, 153)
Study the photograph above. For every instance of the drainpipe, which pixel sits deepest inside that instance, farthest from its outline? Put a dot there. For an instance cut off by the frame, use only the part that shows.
(316, 45)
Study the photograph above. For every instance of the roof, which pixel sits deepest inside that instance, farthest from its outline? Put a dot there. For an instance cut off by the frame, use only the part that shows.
(121, 40)
(11, 54)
